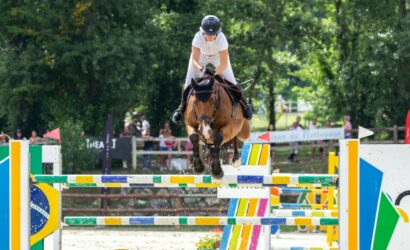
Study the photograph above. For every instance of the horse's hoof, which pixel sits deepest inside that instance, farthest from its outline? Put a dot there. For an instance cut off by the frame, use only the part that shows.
(198, 166)
(199, 170)
(237, 163)
(217, 171)
(218, 175)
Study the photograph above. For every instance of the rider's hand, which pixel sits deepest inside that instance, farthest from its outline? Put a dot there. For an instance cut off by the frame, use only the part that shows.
(210, 71)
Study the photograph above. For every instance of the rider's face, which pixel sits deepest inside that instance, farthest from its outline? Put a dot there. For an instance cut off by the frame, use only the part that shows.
(210, 38)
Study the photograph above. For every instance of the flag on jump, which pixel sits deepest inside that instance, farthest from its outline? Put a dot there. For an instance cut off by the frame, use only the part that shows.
(54, 134)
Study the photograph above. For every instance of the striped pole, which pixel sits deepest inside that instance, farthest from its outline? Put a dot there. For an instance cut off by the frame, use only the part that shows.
(302, 190)
(304, 213)
(305, 248)
(196, 221)
(299, 206)
(188, 180)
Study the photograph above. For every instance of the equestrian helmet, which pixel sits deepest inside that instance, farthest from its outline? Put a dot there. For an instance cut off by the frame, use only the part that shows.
(210, 25)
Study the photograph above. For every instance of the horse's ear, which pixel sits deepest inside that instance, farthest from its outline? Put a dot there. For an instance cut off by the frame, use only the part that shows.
(194, 83)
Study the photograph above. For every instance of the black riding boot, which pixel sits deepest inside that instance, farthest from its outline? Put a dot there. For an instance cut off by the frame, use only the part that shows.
(177, 116)
(238, 95)
(247, 109)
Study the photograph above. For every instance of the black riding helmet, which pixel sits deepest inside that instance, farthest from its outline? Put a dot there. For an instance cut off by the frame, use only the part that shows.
(210, 25)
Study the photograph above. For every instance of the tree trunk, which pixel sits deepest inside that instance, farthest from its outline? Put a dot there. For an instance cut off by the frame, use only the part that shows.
(271, 88)
(271, 105)
(402, 8)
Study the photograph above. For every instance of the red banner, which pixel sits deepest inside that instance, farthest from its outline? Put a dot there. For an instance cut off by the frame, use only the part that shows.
(407, 132)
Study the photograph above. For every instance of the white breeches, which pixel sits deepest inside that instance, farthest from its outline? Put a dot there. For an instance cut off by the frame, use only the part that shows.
(203, 61)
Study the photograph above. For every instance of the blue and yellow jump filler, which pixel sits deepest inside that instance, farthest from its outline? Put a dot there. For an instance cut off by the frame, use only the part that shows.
(29, 212)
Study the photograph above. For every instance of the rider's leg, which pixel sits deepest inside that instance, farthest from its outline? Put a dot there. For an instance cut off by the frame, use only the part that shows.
(177, 116)
(229, 76)
(191, 73)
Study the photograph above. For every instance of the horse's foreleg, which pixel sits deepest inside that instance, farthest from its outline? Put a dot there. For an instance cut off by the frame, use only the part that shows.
(196, 160)
(215, 152)
(236, 156)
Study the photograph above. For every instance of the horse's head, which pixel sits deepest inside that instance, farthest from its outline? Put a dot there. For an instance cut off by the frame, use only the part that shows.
(205, 105)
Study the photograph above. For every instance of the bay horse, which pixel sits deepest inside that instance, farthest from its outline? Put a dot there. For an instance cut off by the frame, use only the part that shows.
(212, 119)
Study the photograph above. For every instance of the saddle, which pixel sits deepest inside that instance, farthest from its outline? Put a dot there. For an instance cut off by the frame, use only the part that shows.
(204, 90)
(234, 91)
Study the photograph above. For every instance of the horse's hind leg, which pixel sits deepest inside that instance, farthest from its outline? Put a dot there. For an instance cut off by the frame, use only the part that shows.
(196, 160)
(236, 156)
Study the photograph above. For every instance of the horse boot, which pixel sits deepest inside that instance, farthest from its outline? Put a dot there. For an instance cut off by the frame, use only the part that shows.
(177, 116)
(216, 168)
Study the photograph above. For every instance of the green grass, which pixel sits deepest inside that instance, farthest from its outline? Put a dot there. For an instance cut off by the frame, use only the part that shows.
(283, 121)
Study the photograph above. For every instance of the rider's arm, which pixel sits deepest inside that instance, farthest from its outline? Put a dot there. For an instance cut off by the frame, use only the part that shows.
(223, 55)
(196, 52)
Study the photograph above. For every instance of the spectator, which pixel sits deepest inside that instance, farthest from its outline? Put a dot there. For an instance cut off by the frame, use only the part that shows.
(4, 138)
(145, 125)
(188, 148)
(162, 147)
(35, 139)
(229, 150)
(82, 133)
(347, 127)
(125, 133)
(298, 119)
(315, 144)
(19, 135)
(166, 145)
(139, 127)
(294, 145)
(328, 124)
(271, 128)
(134, 130)
(148, 146)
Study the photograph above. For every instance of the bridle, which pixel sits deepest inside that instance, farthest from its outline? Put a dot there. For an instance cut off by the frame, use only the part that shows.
(215, 95)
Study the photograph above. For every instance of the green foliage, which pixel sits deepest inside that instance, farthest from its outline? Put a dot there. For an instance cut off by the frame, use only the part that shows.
(76, 157)
(82, 60)
(209, 242)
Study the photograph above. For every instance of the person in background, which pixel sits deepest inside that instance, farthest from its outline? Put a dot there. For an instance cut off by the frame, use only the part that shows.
(188, 148)
(35, 139)
(298, 122)
(125, 133)
(139, 127)
(4, 138)
(328, 124)
(162, 147)
(271, 128)
(145, 125)
(19, 135)
(148, 146)
(347, 127)
(315, 144)
(295, 145)
(165, 145)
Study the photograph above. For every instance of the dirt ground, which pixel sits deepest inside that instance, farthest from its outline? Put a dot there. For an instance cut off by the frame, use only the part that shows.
(108, 239)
